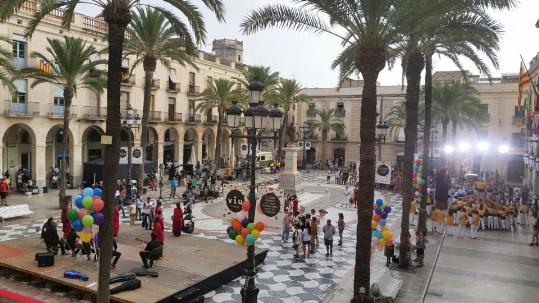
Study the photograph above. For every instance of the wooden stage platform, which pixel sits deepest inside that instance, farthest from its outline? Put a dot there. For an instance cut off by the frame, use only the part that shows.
(188, 262)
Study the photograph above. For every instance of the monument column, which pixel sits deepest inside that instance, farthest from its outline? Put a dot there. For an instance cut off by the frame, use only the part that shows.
(290, 179)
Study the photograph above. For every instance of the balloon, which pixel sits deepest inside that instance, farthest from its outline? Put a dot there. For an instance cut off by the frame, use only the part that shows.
(374, 224)
(250, 226)
(376, 218)
(384, 228)
(97, 239)
(85, 237)
(382, 242)
(87, 229)
(82, 212)
(383, 215)
(418, 161)
(78, 201)
(389, 242)
(378, 234)
(417, 194)
(246, 205)
(87, 221)
(386, 234)
(374, 206)
(240, 240)
(260, 226)
(255, 233)
(236, 226)
(99, 218)
(234, 220)
(244, 232)
(378, 211)
(87, 192)
(72, 214)
(387, 209)
(383, 222)
(374, 242)
(87, 202)
(245, 222)
(379, 202)
(98, 205)
(250, 240)
(232, 235)
(97, 192)
(229, 229)
(77, 225)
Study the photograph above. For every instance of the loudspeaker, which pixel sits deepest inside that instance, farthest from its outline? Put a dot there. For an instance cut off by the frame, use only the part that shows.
(45, 259)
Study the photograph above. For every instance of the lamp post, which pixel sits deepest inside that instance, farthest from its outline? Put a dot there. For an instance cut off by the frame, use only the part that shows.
(304, 127)
(258, 119)
(130, 121)
(381, 132)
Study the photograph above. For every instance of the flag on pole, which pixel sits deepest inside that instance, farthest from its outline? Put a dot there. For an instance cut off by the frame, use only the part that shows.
(524, 81)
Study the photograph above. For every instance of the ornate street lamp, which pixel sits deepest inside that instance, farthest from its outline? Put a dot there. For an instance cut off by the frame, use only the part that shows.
(537, 166)
(258, 119)
(304, 128)
(526, 156)
(381, 132)
(130, 121)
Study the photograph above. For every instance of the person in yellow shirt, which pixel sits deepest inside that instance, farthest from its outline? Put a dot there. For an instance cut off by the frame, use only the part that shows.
(450, 224)
(524, 214)
(482, 211)
(502, 215)
(441, 220)
(474, 224)
(462, 223)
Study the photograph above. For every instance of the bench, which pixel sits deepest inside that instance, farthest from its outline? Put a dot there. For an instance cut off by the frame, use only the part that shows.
(15, 211)
(389, 286)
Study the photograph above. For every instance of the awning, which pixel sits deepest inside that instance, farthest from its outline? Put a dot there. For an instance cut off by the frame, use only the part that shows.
(125, 63)
(18, 37)
(173, 75)
(21, 85)
(58, 91)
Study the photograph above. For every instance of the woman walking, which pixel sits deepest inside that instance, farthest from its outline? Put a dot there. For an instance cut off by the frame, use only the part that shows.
(177, 220)
(341, 225)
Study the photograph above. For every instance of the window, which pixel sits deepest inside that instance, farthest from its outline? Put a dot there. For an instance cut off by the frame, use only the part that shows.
(124, 100)
(312, 106)
(191, 107)
(171, 108)
(21, 86)
(239, 58)
(125, 70)
(19, 51)
(152, 103)
(191, 78)
(340, 106)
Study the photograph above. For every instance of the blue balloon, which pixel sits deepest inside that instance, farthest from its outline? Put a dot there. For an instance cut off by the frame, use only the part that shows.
(379, 202)
(77, 225)
(378, 233)
(383, 222)
(250, 240)
(98, 192)
(378, 211)
(228, 229)
(87, 192)
(78, 201)
(387, 209)
(383, 215)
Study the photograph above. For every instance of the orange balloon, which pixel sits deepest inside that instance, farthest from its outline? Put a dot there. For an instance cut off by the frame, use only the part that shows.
(376, 218)
(260, 226)
(236, 226)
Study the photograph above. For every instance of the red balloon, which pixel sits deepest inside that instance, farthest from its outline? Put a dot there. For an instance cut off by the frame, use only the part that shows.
(236, 226)
(234, 220)
(376, 218)
(244, 232)
(83, 212)
(260, 226)
(246, 205)
(98, 205)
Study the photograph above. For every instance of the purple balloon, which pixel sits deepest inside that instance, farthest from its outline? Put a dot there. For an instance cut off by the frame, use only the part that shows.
(228, 229)
(383, 215)
(98, 218)
(244, 222)
(378, 211)
(387, 209)
(97, 239)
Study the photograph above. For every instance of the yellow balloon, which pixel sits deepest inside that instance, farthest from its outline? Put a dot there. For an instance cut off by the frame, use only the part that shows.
(384, 228)
(382, 242)
(389, 236)
(85, 237)
(240, 240)
(255, 233)
(374, 224)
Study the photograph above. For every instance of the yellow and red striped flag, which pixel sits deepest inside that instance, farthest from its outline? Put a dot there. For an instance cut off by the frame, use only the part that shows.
(523, 82)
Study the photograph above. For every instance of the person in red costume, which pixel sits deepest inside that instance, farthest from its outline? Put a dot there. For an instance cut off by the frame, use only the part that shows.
(177, 220)
(159, 229)
(116, 221)
(66, 225)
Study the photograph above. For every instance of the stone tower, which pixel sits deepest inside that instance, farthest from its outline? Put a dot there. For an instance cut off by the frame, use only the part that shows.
(229, 49)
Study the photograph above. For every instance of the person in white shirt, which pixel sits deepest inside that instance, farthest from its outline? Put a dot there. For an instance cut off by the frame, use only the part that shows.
(329, 231)
(297, 237)
(306, 235)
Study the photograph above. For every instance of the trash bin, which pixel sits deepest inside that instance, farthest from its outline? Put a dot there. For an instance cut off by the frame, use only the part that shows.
(45, 189)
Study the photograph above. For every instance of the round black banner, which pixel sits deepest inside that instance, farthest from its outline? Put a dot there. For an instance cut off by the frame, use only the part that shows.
(136, 153)
(270, 204)
(123, 153)
(234, 199)
(383, 170)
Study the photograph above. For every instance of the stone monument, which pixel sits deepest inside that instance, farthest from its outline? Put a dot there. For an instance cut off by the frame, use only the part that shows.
(290, 179)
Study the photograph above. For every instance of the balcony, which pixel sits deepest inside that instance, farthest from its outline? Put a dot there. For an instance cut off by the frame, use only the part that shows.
(156, 84)
(193, 118)
(173, 87)
(57, 111)
(123, 112)
(20, 63)
(193, 91)
(174, 117)
(311, 113)
(155, 116)
(28, 109)
(211, 119)
(128, 80)
(338, 138)
(31, 6)
(340, 113)
(94, 25)
(94, 113)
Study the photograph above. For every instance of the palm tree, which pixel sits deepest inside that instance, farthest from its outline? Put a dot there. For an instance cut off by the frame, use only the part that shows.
(366, 29)
(262, 74)
(396, 118)
(117, 15)
(325, 123)
(153, 39)
(220, 94)
(7, 69)
(287, 94)
(71, 69)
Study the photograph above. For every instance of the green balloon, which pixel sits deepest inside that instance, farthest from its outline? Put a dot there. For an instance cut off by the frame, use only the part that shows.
(72, 214)
(250, 226)
(87, 221)
(232, 235)
(87, 202)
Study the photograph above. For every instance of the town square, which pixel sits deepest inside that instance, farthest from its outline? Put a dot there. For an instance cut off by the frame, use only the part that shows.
(269, 151)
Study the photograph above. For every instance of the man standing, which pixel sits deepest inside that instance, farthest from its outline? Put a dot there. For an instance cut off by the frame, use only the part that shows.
(4, 189)
(329, 231)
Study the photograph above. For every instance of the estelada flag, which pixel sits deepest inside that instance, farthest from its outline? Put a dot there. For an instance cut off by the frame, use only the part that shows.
(524, 81)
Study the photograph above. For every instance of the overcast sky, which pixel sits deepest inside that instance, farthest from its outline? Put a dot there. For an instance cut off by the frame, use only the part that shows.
(307, 57)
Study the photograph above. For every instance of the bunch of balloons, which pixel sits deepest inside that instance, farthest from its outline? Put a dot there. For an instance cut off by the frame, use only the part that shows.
(87, 212)
(243, 232)
(381, 235)
(418, 177)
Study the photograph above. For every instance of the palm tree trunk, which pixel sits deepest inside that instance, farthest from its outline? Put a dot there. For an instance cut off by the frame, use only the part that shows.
(422, 222)
(117, 15)
(415, 65)
(454, 140)
(281, 136)
(370, 61)
(217, 156)
(148, 76)
(445, 124)
(68, 97)
(324, 141)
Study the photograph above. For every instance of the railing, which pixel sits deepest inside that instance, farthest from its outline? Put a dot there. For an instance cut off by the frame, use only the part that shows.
(156, 84)
(225, 62)
(31, 6)
(173, 87)
(211, 119)
(209, 57)
(340, 113)
(193, 90)
(20, 62)
(339, 138)
(94, 113)
(130, 81)
(155, 116)
(123, 112)
(95, 25)
(311, 113)
(174, 117)
(312, 137)
(193, 118)
(21, 109)
(57, 111)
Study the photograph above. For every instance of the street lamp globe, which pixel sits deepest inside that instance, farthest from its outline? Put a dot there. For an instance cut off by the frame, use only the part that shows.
(261, 117)
(275, 118)
(233, 116)
(255, 91)
(249, 114)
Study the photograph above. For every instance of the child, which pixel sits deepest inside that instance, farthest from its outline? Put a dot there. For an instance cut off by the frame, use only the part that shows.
(462, 223)
(132, 212)
(314, 233)
(420, 245)
(389, 252)
(450, 223)
(434, 219)
(340, 225)
(297, 239)
(474, 224)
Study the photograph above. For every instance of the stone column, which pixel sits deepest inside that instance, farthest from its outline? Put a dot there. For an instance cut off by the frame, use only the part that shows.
(39, 170)
(180, 151)
(198, 151)
(159, 150)
(77, 166)
(290, 179)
